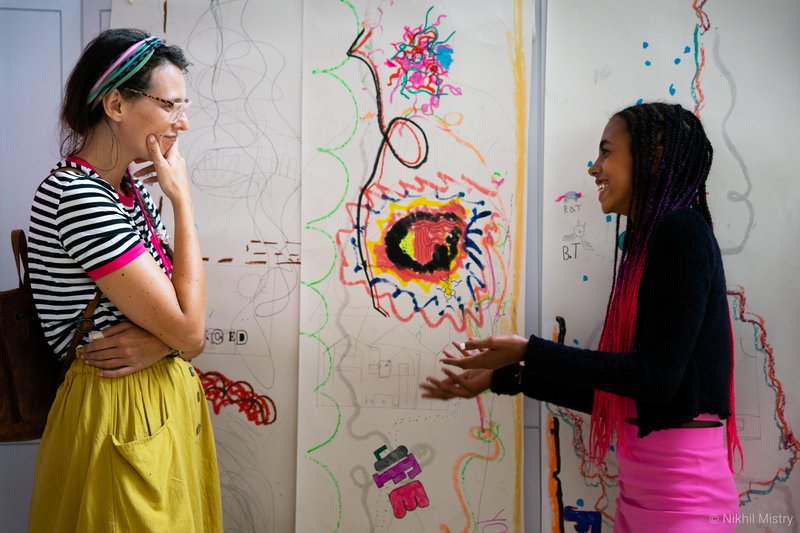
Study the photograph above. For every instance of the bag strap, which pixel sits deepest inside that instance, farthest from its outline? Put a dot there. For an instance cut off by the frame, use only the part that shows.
(151, 222)
(84, 326)
(20, 246)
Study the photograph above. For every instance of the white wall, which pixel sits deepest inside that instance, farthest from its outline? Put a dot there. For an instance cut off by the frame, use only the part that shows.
(39, 43)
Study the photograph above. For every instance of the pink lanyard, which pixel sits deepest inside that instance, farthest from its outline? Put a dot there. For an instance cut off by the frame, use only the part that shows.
(154, 239)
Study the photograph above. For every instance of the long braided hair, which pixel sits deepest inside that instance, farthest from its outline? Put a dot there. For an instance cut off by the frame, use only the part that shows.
(671, 161)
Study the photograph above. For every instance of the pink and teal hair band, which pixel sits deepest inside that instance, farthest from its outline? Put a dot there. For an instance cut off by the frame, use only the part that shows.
(125, 66)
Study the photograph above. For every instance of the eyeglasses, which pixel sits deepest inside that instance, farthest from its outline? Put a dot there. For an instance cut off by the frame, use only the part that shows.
(176, 109)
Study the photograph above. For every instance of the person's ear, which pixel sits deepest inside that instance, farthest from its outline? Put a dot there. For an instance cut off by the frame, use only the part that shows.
(113, 104)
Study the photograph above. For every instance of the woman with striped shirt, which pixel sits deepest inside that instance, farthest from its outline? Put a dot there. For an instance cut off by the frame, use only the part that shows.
(128, 444)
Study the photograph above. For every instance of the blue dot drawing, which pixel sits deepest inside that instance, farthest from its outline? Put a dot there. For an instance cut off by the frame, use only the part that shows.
(579, 502)
(608, 218)
(677, 60)
(639, 101)
(686, 50)
(672, 89)
(648, 63)
(575, 342)
(585, 277)
(645, 44)
(612, 448)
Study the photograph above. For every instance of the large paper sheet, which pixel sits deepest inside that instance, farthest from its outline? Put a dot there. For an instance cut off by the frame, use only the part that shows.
(414, 140)
(737, 69)
(243, 154)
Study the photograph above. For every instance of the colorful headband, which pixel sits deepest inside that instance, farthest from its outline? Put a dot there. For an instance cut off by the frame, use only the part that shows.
(125, 66)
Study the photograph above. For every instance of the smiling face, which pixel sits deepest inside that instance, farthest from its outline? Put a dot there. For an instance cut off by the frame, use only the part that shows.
(149, 116)
(613, 169)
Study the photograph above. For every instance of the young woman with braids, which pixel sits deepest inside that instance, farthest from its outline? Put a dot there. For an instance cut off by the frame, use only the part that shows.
(662, 376)
(128, 444)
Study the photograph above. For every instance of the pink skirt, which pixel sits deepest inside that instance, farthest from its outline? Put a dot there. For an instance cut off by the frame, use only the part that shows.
(676, 480)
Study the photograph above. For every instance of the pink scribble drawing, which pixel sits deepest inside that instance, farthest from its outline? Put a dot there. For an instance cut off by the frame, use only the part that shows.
(421, 63)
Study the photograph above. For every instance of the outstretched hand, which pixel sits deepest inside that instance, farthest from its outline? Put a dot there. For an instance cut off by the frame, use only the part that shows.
(467, 384)
(478, 358)
(124, 349)
(489, 353)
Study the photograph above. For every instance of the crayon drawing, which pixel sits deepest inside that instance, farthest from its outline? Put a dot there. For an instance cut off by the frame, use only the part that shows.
(412, 187)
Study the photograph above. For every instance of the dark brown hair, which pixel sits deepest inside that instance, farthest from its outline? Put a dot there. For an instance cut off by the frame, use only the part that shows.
(77, 118)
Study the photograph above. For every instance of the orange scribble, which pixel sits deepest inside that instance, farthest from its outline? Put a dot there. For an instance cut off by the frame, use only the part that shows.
(552, 482)
(445, 127)
(482, 190)
(521, 113)
(705, 24)
(521, 123)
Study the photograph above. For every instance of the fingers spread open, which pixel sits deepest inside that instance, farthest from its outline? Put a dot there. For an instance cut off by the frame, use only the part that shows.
(434, 390)
(457, 378)
(460, 362)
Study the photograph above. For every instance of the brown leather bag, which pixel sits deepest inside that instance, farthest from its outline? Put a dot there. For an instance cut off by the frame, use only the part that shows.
(30, 373)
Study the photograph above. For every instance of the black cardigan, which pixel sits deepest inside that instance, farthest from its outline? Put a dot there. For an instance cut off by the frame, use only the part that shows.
(680, 363)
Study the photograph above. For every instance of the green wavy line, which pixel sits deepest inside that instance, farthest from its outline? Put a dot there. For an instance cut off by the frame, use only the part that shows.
(313, 334)
(347, 183)
(310, 226)
(333, 261)
(336, 485)
(463, 472)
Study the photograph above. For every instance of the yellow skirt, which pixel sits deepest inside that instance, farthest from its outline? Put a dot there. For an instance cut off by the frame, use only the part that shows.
(131, 454)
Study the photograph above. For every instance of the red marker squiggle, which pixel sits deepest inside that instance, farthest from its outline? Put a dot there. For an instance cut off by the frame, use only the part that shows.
(222, 392)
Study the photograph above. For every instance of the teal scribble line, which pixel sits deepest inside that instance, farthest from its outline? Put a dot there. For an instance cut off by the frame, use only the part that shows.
(787, 471)
(427, 13)
(448, 37)
(692, 89)
(311, 226)
(437, 50)
(472, 516)
(765, 367)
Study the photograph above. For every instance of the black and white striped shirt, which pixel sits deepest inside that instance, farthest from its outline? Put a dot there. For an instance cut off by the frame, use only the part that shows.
(81, 229)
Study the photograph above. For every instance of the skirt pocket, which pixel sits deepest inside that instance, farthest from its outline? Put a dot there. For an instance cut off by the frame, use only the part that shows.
(142, 463)
(146, 482)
